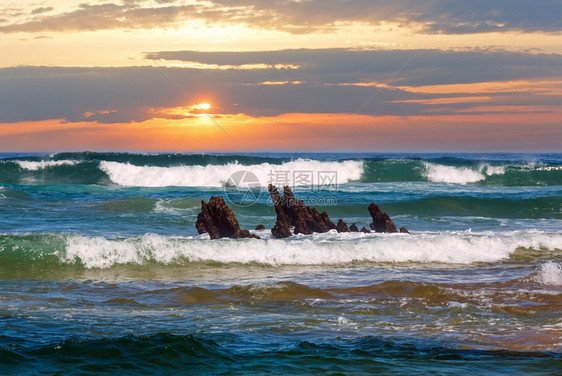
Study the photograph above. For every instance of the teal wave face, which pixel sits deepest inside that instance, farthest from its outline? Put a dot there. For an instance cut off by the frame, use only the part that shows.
(464, 172)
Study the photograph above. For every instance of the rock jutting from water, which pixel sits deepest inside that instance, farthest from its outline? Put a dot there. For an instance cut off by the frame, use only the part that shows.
(292, 212)
(381, 220)
(217, 219)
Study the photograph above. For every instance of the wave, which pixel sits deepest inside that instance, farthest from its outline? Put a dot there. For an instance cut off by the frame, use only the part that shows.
(295, 173)
(463, 172)
(41, 165)
(320, 249)
(550, 273)
(208, 170)
(460, 175)
(168, 353)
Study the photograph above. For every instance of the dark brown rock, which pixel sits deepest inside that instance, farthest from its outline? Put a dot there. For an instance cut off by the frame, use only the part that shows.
(321, 222)
(293, 212)
(280, 204)
(342, 227)
(353, 228)
(404, 230)
(260, 227)
(326, 222)
(363, 229)
(381, 220)
(281, 230)
(217, 219)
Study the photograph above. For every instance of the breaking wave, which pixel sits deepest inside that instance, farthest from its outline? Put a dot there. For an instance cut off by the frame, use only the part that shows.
(550, 273)
(202, 170)
(318, 249)
(41, 165)
(126, 174)
(460, 175)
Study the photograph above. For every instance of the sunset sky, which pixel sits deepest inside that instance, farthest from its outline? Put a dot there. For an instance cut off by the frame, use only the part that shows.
(307, 75)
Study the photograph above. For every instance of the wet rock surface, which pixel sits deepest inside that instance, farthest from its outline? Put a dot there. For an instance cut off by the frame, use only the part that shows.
(218, 220)
(381, 220)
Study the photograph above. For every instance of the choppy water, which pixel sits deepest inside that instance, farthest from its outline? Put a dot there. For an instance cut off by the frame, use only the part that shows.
(103, 272)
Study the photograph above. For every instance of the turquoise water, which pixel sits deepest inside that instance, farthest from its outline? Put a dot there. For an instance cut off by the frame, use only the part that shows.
(103, 272)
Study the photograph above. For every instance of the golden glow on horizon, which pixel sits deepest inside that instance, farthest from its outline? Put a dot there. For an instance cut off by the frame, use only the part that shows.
(286, 132)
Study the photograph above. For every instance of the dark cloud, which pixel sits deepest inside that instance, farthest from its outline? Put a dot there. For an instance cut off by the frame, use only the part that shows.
(325, 82)
(429, 16)
(42, 10)
(419, 67)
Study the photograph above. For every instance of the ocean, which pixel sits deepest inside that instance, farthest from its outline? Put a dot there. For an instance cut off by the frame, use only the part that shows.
(103, 272)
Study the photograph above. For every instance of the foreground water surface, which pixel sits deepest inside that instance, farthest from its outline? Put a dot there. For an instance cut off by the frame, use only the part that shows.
(103, 272)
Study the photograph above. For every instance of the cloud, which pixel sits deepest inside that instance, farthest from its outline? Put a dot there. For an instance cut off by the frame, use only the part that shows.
(42, 10)
(307, 16)
(327, 81)
(103, 17)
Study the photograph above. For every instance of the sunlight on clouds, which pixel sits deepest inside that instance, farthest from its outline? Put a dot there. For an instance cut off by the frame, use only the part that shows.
(551, 86)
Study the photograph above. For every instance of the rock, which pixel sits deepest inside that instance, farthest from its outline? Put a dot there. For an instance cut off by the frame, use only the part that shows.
(381, 220)
(321, 221)
(260, 227)
(363, 229)
(404, 230)
(279, 202)
(327, 223)
(342, 227)
(217, 219)
(353, 228)
(293, 212)
(281, 230)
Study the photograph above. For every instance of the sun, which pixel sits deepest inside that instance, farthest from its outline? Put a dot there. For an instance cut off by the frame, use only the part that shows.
(204, 106)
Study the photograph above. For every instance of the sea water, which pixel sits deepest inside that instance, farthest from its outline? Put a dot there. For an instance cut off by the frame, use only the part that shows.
(103, 272)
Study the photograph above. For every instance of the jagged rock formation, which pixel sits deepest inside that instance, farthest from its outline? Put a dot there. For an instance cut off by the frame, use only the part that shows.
(217, 219)
(293, 212)
(281, 230)
(341, 226)
(381, 220)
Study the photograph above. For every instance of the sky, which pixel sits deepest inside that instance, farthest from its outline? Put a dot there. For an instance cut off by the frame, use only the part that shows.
(281, 75)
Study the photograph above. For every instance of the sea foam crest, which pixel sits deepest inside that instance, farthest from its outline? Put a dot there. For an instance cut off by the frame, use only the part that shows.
(40, 165)
(459, 175)
(126, 174)
(550, 273)
(330, 248)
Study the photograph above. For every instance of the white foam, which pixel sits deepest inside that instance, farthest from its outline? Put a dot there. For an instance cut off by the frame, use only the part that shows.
(550, 273)
(459, 175)
(165, 206)
(491, 170)
(129, 175)
(330, 248)
(34, 166)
